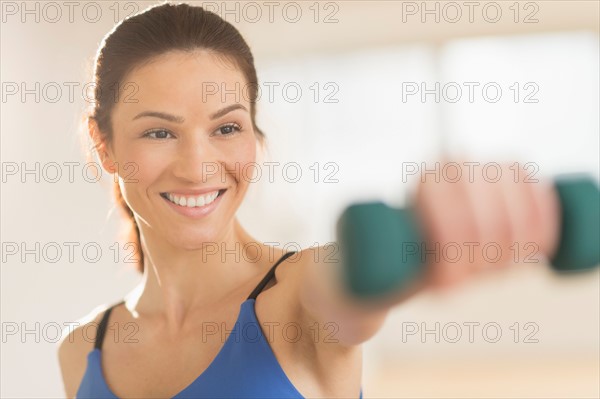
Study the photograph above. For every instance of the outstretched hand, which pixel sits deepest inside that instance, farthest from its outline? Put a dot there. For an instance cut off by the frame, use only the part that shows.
(480, 221)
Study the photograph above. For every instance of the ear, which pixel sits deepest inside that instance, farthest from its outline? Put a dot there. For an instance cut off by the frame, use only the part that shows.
(101, 146)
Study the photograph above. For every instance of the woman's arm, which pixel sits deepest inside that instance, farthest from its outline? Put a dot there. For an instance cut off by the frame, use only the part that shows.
(449, 212)
(324, 300)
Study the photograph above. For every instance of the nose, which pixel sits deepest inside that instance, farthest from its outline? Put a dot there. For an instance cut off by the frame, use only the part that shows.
(197, 160)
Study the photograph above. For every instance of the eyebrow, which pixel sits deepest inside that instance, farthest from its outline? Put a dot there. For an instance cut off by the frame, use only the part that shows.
(181, 119)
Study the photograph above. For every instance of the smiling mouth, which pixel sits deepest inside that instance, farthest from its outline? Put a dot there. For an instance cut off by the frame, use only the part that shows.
(196, 201)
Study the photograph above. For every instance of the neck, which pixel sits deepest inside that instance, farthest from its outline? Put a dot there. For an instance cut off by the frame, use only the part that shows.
(177, 281)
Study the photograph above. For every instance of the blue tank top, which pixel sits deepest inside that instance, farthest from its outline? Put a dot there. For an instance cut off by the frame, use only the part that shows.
(245, 367)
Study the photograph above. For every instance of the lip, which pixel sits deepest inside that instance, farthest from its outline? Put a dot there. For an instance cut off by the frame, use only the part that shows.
(195, 192)
(195, 212)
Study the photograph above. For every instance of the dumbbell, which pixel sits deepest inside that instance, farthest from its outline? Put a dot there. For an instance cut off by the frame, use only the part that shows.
(380, 245)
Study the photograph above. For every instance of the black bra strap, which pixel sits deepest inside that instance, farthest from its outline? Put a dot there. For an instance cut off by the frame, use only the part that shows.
(103, 325)
(268, 276)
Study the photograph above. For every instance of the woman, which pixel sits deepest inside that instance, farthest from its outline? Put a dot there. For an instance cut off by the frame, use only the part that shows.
(179, 152)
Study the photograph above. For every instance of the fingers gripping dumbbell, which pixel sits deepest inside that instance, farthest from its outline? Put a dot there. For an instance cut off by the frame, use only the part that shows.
(372, 238)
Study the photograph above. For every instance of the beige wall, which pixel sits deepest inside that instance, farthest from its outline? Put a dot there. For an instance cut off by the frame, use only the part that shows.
(564, 311)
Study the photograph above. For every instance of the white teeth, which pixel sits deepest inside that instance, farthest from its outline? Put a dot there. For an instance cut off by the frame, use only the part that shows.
(191, 202)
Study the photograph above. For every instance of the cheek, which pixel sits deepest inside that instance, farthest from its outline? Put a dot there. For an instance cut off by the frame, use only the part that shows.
(242, 161)
(138, 168)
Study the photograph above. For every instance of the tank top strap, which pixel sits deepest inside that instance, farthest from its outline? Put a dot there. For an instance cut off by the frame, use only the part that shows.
(101, 331)
(268, 276)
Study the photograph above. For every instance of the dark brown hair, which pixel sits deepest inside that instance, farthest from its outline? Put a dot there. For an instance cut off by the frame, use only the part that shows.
(155, 31)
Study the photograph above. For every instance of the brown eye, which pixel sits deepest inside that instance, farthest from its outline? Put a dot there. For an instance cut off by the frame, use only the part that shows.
(159, 134)
(229, 129)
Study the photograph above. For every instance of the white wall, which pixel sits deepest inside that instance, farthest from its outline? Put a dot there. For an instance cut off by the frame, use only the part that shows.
(368, 133)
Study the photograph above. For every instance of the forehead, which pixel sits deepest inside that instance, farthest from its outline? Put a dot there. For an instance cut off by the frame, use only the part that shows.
(179, 79)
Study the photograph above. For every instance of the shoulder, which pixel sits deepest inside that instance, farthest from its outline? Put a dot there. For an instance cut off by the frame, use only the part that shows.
(315, 288)
(297, 264)
(314, 267)
(317, 341)
(76, 342)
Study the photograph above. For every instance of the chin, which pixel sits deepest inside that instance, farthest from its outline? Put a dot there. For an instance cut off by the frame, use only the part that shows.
(191, 241)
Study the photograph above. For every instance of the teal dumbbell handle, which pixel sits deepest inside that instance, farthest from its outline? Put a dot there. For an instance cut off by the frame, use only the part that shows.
(380, 246)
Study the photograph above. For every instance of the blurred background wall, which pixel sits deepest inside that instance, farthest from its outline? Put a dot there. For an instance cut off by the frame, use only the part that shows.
(353, 97)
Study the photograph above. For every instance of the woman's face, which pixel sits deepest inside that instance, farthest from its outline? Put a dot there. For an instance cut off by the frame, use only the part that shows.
(188, 135)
